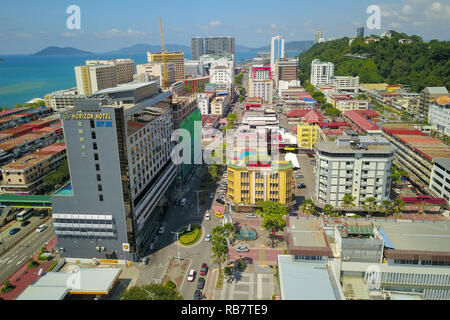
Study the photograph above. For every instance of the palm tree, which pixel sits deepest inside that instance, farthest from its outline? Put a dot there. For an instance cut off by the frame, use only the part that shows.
(328, 209)
(348, 201)
(398, 206)
(219, 250)
(309, 206)
(370, 205)
(386, 207)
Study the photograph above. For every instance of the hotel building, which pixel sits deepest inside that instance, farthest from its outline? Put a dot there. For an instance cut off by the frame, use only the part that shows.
(120, 165)
(177, 58)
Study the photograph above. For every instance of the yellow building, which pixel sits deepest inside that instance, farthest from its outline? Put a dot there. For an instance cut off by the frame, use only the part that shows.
(308, 135)
(176, 58)
(251, 184)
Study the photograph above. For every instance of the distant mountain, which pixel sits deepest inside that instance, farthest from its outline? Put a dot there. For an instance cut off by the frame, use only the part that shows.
(58, 51)
(243, 49)
(141, 48)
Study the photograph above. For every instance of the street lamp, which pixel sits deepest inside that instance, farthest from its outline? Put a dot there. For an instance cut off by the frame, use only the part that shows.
(178, 237)
(198, 205)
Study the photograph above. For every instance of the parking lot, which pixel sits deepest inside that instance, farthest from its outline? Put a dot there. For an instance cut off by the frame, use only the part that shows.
(309, 179)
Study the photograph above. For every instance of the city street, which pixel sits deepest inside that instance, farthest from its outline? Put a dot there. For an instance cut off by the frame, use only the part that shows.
(20, 253)
(309, 180)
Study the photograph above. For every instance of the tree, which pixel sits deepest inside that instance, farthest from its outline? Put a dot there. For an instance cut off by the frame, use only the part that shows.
(273, 214)
(227, 231)
(328, 209)
(370, 205)
(386, 207)
(348, 201)
(135, 293)
(398, 206)
(219, 250)
(309, 207)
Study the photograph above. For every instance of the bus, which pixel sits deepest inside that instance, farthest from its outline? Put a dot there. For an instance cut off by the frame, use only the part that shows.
(24, 215)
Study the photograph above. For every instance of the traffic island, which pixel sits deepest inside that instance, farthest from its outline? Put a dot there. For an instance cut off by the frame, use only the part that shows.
(190, 238)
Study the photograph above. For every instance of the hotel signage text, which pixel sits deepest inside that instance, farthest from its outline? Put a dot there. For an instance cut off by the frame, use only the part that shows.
(88, 116)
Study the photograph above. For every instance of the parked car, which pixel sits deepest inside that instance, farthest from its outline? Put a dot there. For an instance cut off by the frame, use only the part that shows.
(301, 185)
(293, 214)
(144, 260)
(201, 283)
(161, 230)
(14, 231)
(191, 275)
(207, 217)
(183, 202)
(299, 176)
(25, 223)
(197, 295)
(177, 202)
(204, 269)
(211, 195)
(220, 201)
(41, 228)
(251, 215)
(208, 238)
(242, 249)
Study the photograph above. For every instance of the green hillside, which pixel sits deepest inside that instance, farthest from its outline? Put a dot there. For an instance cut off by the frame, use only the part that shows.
(420, 64)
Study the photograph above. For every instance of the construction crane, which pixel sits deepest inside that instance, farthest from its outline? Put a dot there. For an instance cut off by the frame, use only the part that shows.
(166, 82)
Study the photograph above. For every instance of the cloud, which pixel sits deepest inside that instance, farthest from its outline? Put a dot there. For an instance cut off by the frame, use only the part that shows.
(438, 11)
(394, 25)
(212, 24)
(115, 33)
(407, 9)
(273, 26)
(259, 31)
(215, 23)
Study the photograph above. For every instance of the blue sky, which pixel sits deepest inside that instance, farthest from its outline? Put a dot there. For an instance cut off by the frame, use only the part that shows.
(29, 26)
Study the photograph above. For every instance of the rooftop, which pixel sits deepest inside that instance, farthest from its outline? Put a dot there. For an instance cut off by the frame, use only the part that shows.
(304, 280)
(361, 121)
(443, 162)
(34, 158)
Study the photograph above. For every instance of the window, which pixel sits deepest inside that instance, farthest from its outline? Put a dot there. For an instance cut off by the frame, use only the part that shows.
(97, 167)
(96, 156)
(100, 197)
(94, 145)
(99, 178)
(100, 187)
(93, 135)
(92, 124)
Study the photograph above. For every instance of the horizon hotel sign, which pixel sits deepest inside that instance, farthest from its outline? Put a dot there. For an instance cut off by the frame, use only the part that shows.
(103, 119)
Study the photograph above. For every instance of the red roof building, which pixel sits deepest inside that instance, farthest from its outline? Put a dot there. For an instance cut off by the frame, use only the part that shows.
(361, 123)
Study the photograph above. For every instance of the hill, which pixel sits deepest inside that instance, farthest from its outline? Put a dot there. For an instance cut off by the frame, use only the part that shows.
(58, 51)
(419, 64)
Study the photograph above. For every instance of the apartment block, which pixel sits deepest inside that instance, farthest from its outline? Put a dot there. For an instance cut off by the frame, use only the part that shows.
(360, 166)
(440, 178)
(25, 175)
(427, 96)
(321, 72)
(308, 134)
(439, 114)
(62, 99)
(287, 70)
(156, 70)
(203, 103)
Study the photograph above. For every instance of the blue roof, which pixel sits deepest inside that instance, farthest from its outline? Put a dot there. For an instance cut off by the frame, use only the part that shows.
(387, 241)
(222, 93)
(309, 100)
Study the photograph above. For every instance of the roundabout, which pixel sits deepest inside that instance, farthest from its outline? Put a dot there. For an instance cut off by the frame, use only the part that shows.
(192, 237)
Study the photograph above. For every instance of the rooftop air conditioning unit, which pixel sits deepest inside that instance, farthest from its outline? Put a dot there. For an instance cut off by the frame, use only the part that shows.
(97, 248)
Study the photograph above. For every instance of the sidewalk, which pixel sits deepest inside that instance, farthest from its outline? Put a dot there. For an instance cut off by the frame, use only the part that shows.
(24, 277)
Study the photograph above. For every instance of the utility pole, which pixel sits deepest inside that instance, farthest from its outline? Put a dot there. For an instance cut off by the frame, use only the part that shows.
(198, 204)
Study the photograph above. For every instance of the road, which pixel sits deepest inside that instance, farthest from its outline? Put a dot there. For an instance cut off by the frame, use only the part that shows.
(24, 250)
(166, 247)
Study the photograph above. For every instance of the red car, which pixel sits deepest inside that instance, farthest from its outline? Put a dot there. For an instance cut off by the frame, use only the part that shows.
(204, 269)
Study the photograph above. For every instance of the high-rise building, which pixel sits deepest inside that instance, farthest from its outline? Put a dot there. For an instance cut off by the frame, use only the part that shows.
(427, 96)
(219, 45)
(286, 69)
(175, 57)
(222, 72)
(260, 83)
(360, 32)
(318, 37)
(321, 72)
(197, 47)
(276, 50)
(203, 103)
(121, 167)
(360, 166)
(102, 74)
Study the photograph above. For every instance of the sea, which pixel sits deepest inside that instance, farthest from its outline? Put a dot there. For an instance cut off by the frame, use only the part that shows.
(24, 77)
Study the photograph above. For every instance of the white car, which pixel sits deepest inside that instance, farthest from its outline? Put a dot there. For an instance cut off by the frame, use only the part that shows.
(161, 230)
(207, 217)
(208, 238)
(183, 202)
(242, 249)
(41, 228)
(251, 215)
(211, 195)
(191, 275)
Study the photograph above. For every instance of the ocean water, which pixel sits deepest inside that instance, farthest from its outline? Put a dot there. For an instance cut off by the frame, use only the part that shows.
(24, 77)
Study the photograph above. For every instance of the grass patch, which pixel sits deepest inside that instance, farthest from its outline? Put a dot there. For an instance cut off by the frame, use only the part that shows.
(191, 237)
(7, 287)
(219, 283)
(53, 266)
(33, 264)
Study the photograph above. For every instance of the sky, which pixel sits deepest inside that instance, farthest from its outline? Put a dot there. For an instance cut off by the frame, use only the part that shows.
(106, 25)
